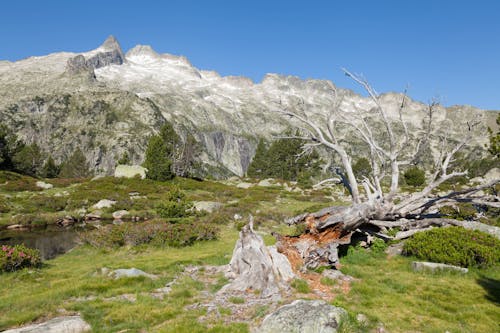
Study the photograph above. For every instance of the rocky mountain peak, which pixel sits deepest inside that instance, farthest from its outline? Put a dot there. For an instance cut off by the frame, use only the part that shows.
(111, 44)
(142, 50)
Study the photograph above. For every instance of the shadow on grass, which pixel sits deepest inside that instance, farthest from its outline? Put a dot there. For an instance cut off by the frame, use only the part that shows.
(492, 287)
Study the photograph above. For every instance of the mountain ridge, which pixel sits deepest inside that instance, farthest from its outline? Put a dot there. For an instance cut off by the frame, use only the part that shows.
(142, 89)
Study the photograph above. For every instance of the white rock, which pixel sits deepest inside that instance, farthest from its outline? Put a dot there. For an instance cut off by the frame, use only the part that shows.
(130, 171)
(104, 203)
(422, 265)
(66, 324)
(130, 273)
(304, 317)
(208, 206)
(44, 185)
(119, 214)
(244, 185)
(266, 182)
(237, 217)
(493, 174)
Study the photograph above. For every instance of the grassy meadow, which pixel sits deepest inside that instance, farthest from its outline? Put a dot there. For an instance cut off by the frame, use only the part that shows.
(385, 289)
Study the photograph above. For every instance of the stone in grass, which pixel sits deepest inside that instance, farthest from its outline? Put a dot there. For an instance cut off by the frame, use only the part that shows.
(130, 171)
(336, 275)
(207, 206)
(120, 214)
(44, 185)
(131, 272)
(434, 267)
(73, 324)
(104, 203)
(304, 317)
(124, 273)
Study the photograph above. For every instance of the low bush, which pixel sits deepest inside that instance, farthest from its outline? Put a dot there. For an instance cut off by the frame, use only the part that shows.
(461, 212)
(378, 245)
(22, 184)
(17, 257)
(156, 232)
(5, 206)
(175, 206)
(414, 176)
(39, 219)
(456, 246)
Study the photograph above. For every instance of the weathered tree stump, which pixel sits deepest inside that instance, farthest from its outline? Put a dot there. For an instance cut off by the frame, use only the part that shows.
(257, 268)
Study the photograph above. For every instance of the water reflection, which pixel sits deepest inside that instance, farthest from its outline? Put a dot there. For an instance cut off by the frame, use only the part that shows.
(50, 240)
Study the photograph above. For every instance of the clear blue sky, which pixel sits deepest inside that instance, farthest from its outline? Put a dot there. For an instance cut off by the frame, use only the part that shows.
(440, 48)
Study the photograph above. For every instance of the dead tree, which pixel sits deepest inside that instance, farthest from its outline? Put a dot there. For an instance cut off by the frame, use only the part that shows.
(375, 198)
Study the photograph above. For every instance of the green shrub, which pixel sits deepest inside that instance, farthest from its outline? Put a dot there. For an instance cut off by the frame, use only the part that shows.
(456, 246)
(17, 257)
(156, 232)
(22, 184)
(362, 168)
(5, 206)
(176, 205)
(414, 176)
(378, 245)
(461, 212)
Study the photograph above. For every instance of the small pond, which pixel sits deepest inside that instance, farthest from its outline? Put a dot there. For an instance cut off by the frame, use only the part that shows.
(50, 240)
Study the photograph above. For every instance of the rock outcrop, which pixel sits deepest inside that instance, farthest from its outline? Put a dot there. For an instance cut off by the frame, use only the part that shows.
(67, 324)
(303, 316)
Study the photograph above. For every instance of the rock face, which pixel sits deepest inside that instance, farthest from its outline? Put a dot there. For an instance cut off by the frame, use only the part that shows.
(435, 267)
(67, 324)
(304, 317)
(50, 100)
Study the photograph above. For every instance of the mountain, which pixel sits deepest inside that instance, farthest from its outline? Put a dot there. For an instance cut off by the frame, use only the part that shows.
(106, 102)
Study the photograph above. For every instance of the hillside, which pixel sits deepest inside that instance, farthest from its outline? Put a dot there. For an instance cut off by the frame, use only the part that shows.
(106, 102)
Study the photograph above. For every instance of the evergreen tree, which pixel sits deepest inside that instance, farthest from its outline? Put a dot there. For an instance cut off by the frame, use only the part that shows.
(9, 145)
(75, 166)
(124, 159)
(29, 160)
(362, 168)
(259, 166)
(284, 159)
(171, 139)
(50, 168)
(494, 147)
(157, 163)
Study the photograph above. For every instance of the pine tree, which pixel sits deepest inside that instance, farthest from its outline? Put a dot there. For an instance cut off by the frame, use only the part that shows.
(170, 138)
(157, 163)
(124, 159)
(50, 168)
(494, 147)
(75, 166)
(29, 160)
(259, 165)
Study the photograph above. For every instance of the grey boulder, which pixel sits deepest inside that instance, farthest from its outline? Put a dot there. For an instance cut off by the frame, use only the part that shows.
(435, 267)
(303, 316)
(66, 324)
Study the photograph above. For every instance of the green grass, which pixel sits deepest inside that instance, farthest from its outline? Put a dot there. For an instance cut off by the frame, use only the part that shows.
(29, 295)
(387, 290)
(405, 301)
(300, 286)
